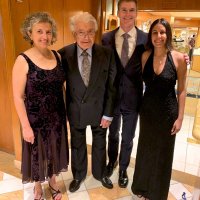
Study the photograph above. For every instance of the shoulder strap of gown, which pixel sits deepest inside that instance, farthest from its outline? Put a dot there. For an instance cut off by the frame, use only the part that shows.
(28, 60)
(57, 57)
(171, 61)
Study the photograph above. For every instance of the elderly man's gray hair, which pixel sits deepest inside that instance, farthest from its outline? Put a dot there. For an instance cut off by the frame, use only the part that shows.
(82, 17)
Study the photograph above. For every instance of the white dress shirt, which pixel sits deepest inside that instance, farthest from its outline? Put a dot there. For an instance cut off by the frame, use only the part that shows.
(131, 41)
(80, 57)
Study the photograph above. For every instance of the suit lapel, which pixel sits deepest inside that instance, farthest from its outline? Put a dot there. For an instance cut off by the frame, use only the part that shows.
(73, 65)
(113, 45)
(139, 37)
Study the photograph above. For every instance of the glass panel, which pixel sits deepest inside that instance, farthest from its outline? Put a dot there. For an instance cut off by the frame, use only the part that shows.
(187, 147)
(111, 20)
(108, 12)
(181, 38)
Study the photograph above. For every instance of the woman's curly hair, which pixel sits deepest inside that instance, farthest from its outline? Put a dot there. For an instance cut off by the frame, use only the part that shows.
(35, 18)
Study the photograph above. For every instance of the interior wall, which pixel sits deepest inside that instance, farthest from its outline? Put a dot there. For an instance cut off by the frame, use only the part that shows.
(60, 10)
(5, 119)
(178, 5)
(9, 122)
(12, 13)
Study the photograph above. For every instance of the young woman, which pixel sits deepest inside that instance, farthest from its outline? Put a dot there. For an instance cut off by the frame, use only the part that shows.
(161, 113)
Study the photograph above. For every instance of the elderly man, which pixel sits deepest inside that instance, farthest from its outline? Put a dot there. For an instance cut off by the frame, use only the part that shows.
(90, 71)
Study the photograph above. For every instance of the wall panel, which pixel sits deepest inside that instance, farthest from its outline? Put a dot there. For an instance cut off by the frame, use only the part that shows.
(9, 126)
(18, 11)
(190, 5)
(178, 5)
(5, 119)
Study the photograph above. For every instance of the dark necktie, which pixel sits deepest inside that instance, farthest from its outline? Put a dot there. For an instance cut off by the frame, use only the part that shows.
(125, 48)
(85, 71)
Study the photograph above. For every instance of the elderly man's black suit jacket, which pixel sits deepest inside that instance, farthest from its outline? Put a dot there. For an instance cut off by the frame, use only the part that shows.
(86, 106)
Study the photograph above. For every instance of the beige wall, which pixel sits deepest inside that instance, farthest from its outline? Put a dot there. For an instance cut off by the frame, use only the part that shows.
(9, 123)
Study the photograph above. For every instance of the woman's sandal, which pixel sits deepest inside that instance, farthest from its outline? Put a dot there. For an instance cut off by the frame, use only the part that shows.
(54, 192)
(40, 198)
(140, 196)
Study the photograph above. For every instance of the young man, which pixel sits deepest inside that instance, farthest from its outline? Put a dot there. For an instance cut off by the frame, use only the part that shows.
(129, 88)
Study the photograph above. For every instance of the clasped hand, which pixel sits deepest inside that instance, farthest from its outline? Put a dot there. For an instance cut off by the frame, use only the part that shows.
(176, 127)
(105, 123)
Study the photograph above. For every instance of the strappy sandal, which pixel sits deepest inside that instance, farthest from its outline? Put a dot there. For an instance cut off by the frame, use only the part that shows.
(54, 192)
(40, 198)
(140, 196)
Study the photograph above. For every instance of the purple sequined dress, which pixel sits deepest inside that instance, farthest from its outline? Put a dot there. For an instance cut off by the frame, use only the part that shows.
(46, 113)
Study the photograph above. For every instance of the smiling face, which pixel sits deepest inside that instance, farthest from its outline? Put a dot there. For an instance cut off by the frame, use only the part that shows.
(84, 34)
(127, 14)
(41, 34)
(159, 36)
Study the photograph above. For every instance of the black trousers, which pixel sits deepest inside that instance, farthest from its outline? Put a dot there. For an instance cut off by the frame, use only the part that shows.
(79, 160)
(129, 122)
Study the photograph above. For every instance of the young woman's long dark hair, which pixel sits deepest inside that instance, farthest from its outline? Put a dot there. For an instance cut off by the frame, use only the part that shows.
(167, 26)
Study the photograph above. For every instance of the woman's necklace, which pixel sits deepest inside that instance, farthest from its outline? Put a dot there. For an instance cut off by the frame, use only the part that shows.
(160, 59)
(47, 54)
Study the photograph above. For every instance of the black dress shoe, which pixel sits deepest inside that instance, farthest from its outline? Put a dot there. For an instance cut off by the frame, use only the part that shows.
(106, 182)
(123, 179)
(110, 167)
(74, 185)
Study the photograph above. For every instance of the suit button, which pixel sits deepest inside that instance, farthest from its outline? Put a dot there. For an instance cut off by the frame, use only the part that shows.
(82, 101)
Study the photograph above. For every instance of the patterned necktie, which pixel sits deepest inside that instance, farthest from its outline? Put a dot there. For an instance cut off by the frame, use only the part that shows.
(86, 67)
(125, 48)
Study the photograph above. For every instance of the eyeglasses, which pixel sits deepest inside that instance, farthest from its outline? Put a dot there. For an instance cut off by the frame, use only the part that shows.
(84, 34)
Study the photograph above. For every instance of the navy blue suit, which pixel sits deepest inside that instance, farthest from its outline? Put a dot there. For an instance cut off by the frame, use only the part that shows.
(129, 96)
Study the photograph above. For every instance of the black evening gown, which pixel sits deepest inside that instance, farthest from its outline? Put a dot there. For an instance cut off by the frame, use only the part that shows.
(155, 150)
(47, 116)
